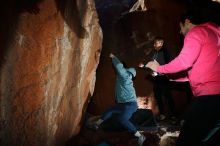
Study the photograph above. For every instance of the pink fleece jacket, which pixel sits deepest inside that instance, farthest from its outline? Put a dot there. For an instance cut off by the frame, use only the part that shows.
(200, 55)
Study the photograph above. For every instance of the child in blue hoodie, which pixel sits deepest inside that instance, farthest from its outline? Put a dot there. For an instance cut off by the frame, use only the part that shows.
(126, 99)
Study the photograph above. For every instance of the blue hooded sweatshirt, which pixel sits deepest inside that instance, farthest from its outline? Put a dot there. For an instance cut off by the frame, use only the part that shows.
(124, 89)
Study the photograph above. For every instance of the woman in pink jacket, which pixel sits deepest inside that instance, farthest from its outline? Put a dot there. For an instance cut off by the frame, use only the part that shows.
(200, 57)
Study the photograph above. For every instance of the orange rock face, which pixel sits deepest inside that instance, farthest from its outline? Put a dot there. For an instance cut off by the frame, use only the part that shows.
(49, 54)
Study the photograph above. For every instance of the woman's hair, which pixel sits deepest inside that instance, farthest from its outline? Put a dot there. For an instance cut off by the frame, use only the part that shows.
(195, 15)
(200, 11)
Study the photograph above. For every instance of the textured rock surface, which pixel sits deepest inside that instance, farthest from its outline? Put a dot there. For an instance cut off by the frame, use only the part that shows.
(49, 54)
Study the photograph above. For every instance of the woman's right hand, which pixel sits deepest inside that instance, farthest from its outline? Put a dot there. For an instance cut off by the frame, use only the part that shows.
(141, 65)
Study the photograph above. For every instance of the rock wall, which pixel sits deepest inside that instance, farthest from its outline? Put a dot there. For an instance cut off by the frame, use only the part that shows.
(49, 54)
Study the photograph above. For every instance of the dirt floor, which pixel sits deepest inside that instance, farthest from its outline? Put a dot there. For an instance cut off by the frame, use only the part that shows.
(164, 134)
